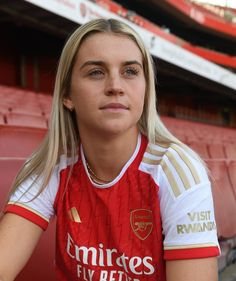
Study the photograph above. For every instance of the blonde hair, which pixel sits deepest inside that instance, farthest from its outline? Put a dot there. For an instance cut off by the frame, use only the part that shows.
(63, 135)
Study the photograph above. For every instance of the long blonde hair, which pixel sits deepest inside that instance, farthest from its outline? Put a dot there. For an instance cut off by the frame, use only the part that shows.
(63, 136)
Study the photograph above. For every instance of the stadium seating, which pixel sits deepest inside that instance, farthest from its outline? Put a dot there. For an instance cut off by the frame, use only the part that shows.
(224, 199)
(193, 132)
(9, 168)
(230, 150)
(19, 141)
(24, 108)
(45, 103)
(1, 119)
(232, 175)
(18, 119)
(23, 124)
(216, 150)
(200, 147)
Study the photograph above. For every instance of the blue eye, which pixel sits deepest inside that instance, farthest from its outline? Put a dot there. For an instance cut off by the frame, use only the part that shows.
(131, 71)
(96, 72)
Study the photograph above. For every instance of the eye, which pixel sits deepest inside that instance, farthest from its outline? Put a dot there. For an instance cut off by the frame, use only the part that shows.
(131, 71)
(96, 73)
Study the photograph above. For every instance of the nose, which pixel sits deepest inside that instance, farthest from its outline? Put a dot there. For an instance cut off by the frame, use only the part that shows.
(114, 85)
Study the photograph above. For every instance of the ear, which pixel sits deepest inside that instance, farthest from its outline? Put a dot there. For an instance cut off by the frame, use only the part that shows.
(68, 103)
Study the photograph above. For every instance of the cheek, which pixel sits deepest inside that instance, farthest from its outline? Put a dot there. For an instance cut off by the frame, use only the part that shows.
(80, 97)
(85, 104)
(140, 94)
(139, 102)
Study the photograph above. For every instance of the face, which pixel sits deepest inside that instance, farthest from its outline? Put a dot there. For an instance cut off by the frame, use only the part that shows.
(107, 85)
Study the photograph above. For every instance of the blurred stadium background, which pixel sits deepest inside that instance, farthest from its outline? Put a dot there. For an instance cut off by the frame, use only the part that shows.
(194, 49)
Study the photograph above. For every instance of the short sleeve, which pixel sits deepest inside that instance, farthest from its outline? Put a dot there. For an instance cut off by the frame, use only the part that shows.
(26, 202)
(187, 209)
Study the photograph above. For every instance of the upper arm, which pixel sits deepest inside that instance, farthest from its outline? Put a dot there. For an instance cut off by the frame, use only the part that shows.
(187, 209)
(194, 270)
(18, 238)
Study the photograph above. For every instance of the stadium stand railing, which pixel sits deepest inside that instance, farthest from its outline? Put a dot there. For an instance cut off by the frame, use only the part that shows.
(186, 8)
(203, 17)
(226, 13)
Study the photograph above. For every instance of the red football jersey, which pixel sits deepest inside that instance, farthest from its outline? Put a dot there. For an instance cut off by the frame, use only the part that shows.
(124, 230)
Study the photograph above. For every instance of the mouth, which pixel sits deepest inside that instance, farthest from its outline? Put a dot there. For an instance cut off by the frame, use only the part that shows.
(114, 107)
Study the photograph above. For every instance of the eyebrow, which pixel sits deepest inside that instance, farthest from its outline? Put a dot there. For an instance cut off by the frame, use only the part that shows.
(102, 63)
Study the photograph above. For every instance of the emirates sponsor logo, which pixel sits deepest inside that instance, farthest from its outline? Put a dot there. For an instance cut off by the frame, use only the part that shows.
(112, 264)
(141, 221)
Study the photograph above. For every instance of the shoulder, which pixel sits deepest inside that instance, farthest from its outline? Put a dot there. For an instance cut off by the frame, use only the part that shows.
(30, 201)
(174, 166)
(186, 203)
(32, 186)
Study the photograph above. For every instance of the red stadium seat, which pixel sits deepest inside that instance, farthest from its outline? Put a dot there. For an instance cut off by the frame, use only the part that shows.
(1, 119)
(16, 141)
(224, 200)
(42, 259)
(232, 174)
(45, 102)
(14, 100)
(8, 170)
(216, 150)
(200, 148)
(19, 119)
(230, 149)
(195, 131)
(29, 109)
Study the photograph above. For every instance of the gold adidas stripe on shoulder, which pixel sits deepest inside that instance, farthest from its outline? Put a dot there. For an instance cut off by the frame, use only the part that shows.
(167, 171)
(179, 170)
(177, 166)
(150, 161)
(171, 179)
(188, 163)
(155, 152)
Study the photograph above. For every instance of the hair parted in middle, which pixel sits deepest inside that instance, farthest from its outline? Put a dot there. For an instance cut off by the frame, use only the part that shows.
(63, 135)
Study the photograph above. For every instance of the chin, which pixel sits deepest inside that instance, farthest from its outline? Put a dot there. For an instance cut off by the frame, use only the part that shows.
(113, 131)
(118, 129)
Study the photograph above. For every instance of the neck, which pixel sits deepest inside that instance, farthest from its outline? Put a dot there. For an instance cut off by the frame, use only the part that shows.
(106, 157)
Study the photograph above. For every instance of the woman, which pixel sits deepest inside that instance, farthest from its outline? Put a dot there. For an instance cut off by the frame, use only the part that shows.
(132, 202)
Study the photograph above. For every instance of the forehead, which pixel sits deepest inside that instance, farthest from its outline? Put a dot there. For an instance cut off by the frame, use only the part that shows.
(107, 46)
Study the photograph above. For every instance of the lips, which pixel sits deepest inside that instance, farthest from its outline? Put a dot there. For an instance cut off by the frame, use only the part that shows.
(114, 106)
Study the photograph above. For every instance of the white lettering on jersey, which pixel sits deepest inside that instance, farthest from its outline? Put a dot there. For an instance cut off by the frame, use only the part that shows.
(97, 257)
(86, 274)
(148, 265)
(199, 222)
